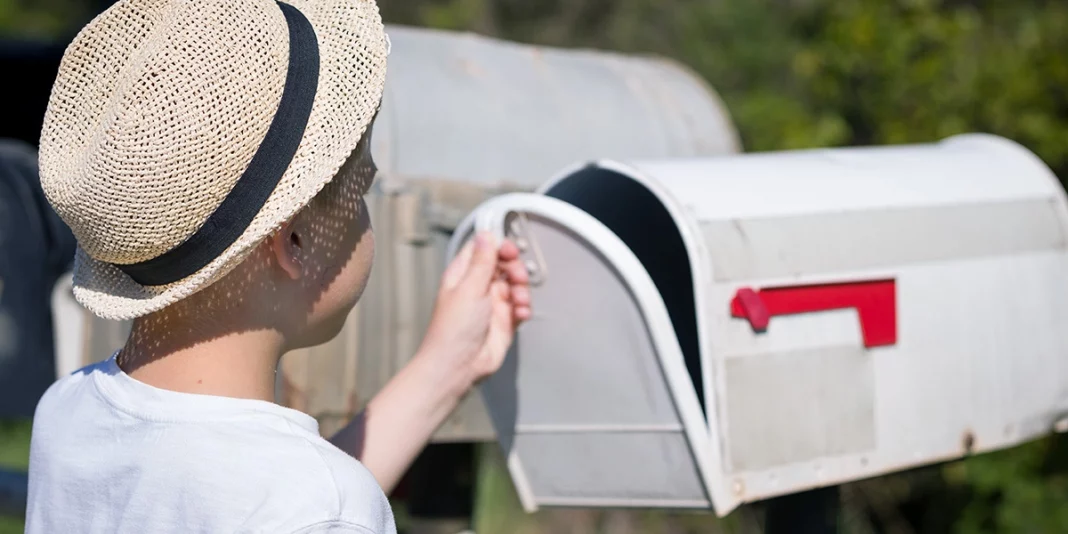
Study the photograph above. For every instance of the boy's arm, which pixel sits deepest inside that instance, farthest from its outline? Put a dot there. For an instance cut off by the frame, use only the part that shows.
(484, 296)
(398, 422)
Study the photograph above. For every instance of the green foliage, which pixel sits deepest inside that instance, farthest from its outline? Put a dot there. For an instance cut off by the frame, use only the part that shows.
(11, 525)
(1019, 490)
(39, 19)
(14, 444)
(14, 455)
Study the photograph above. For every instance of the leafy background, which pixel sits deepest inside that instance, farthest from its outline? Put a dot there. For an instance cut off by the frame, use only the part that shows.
(794, 74)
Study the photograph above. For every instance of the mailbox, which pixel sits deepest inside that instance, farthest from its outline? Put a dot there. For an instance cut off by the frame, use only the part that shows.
(709, 332)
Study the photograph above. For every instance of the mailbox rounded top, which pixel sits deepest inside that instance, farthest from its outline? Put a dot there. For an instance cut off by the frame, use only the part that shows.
(961, 169)
(459, 106)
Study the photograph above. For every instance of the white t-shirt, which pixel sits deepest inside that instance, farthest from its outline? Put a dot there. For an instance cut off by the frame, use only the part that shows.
(112, 454)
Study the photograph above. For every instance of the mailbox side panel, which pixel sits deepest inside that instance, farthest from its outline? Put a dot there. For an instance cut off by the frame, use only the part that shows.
(807, 405)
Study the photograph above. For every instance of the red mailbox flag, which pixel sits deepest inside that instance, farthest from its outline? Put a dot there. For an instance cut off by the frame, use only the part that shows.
(875, 302)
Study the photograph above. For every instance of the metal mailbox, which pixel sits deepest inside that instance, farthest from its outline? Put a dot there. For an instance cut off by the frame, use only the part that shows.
(464, 118)
(709, 332)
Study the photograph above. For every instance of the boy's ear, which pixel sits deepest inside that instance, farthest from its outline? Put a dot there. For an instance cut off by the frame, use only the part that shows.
(287, 247)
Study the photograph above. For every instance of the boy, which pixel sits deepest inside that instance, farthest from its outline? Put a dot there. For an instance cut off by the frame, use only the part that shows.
(211, 158)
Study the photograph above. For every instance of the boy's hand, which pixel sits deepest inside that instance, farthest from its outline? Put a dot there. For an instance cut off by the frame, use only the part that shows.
(484, 296)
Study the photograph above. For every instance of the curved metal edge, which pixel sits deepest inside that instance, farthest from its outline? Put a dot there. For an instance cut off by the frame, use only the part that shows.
(492, 214)
(997, 142)
(715, 98)
(702, 272)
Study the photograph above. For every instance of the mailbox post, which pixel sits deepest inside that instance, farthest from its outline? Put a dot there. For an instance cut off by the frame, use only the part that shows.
(810, 512)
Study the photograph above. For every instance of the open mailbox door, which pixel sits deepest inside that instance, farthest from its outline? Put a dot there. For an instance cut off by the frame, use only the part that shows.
(717, 331)
(603, 411)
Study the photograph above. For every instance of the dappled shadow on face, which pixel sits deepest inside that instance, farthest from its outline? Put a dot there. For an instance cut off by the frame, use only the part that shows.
(328, 238)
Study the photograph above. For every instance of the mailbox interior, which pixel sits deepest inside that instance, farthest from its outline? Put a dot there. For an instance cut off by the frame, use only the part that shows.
(638, 216)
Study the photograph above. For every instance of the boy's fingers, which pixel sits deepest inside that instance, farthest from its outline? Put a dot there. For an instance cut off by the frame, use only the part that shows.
(508, 251)
(456, 269)
(502, 290)
(515, 272)
(482, 268)
(520, 296)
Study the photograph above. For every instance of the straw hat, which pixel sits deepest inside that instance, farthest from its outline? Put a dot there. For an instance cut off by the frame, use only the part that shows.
(181, 133)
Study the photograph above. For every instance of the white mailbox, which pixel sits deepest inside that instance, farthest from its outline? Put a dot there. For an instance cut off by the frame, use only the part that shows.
(709, 332)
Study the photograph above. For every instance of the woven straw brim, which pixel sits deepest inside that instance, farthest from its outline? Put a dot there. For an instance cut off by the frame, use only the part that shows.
(352, 52)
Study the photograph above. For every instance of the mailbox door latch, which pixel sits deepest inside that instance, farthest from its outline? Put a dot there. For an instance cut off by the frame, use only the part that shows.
(518, 229)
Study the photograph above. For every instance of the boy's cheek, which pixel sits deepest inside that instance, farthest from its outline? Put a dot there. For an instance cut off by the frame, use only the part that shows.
(355, 274)
(364, 262)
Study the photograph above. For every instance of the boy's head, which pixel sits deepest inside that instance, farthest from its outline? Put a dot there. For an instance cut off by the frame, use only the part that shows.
(191, 144)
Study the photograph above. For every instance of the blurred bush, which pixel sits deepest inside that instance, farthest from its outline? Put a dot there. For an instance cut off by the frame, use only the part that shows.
(41, 19)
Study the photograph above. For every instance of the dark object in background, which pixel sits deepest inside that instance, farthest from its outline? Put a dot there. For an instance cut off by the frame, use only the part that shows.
(36, 248)
(31, 67)
(812, 512)
(13, 493)
(441, 489)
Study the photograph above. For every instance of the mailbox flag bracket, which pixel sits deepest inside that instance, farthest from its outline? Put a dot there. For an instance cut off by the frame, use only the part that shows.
(874, 300)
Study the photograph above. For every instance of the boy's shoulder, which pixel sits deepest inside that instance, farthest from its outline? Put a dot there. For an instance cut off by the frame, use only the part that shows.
(71, 384)
(99, 426)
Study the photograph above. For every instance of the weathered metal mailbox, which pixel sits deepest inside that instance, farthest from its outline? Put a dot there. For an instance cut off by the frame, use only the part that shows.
(463, 118)
(709, 332)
